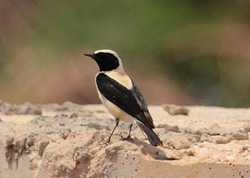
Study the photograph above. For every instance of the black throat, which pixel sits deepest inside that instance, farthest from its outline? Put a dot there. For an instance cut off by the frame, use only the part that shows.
(106, 61)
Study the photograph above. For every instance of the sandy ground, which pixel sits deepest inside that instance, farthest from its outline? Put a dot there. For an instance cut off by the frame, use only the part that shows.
(66, 140)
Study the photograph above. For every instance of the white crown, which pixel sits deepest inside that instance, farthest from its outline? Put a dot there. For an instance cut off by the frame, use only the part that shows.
(107, 51)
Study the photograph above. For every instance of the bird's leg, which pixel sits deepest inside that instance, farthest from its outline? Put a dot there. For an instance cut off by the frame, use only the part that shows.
(116, 124)
(128, 137)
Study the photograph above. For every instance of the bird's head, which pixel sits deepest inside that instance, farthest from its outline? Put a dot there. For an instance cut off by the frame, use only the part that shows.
(107, 60)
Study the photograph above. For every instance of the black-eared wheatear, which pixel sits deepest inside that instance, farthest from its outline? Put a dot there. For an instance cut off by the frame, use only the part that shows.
(120, 95)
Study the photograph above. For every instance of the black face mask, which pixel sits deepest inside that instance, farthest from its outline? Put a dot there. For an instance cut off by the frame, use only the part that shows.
(105, 61)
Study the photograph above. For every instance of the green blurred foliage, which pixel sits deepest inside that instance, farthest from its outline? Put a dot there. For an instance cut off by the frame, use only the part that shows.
(184, 37)
(137, 27)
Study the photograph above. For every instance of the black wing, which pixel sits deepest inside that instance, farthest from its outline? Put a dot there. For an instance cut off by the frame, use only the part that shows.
(141, 101)
(130, 101)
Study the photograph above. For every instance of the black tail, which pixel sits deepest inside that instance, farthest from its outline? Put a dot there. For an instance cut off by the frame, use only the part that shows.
(150, 134)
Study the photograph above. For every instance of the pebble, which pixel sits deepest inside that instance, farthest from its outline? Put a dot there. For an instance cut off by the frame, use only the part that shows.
(176, 110)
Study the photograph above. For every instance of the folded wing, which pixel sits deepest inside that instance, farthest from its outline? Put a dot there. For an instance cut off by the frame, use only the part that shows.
(130, 101)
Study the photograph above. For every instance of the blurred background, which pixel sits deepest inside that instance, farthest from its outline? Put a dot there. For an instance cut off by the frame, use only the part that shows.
(188, 52)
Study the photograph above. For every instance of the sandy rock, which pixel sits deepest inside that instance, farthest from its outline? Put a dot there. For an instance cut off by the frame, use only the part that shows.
(221, 139)
(240, 136)
(180, 142)
(68, 140)
(26, 108)
(169, 128)
(205, 137)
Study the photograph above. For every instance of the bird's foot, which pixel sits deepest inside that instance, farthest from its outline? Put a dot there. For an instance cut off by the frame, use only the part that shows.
(126, 138)
(104, 142)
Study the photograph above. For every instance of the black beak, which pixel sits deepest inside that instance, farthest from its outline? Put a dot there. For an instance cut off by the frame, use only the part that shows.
(90, 55)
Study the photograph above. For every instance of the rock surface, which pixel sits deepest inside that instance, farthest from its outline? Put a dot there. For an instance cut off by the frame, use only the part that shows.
(68, 141)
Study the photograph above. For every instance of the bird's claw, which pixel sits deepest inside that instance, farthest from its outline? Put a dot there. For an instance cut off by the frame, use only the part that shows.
(126, 138)
(103, 142)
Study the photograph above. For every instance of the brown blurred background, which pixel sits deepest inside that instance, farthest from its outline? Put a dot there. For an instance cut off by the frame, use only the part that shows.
(177, 51)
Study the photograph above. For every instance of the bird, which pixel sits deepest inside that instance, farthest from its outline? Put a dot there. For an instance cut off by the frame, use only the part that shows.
(121, 96)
